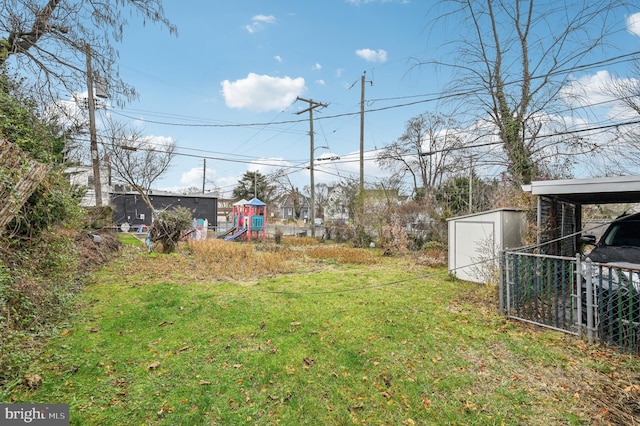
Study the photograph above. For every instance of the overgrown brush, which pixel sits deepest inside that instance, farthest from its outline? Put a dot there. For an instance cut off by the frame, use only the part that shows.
(299, 241)
(342, 254)
(434, 254)
(169, 227)
(38, 281)
(223, 259)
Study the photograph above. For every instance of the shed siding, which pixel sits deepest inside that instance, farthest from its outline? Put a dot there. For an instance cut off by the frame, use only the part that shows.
(475, 241)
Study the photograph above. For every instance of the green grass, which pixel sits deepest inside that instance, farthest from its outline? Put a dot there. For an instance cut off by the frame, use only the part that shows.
(333, 344)
(129, 240)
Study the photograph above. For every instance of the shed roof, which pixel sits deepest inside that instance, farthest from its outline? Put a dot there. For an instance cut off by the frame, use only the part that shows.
(485, 213)
(604, 190)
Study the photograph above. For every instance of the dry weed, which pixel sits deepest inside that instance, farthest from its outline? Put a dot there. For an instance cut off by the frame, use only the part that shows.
(223, 259)
(342, 254)
(299, 241)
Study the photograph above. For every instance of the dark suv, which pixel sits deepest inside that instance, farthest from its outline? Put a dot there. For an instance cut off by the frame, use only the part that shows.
(615, 275)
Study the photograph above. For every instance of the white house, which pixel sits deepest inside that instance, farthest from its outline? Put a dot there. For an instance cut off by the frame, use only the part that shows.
(82, 176)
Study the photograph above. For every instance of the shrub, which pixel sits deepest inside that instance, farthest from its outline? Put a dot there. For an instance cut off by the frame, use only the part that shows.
(169, 227)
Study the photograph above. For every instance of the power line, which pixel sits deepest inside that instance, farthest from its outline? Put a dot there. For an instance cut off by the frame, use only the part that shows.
(433, 97)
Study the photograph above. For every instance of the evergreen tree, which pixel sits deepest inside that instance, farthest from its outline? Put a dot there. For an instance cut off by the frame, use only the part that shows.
(254, 184)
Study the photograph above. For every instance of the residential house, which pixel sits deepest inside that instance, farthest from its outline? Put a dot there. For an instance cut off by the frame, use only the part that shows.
(82, 176)
(289, 204)
(337, 210)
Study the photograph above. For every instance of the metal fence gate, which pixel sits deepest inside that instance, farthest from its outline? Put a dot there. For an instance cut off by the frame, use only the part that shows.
(599, 302)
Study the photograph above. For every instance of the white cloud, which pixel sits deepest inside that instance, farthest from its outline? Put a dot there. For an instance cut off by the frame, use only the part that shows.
(262, 93)
(633, 24)
(278, 58)
(588, 89)
(192, 177)
(372, 55)
(594, 90)
(320, 82)
(317, 67)
(258, 22)
(339, 72)
(157, 142)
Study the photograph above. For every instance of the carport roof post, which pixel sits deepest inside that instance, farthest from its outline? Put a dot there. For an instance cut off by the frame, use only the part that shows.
(604, 190)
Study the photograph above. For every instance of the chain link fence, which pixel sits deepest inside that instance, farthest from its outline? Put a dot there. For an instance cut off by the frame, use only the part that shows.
(600, 302)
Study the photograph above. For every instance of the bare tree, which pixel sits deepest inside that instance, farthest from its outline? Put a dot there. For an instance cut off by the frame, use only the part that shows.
(627, 90)
(47, 40)
(284, 189)
(514, 59)
(135, 159)
(426, 151)
(623, 149)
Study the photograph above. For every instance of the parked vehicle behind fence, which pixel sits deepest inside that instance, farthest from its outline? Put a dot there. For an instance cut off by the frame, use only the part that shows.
(615, 277)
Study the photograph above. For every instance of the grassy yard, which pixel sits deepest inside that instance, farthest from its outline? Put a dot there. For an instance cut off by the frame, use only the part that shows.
(233, 334)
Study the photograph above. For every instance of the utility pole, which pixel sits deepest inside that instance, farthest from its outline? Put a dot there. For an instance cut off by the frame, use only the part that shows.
(362, 80)
(312, 207)
(204, 173)
(362, 85)
(470, 184)
(95, 160)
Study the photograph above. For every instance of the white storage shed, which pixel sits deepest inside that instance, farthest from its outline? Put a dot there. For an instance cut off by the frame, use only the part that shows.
(475, 241)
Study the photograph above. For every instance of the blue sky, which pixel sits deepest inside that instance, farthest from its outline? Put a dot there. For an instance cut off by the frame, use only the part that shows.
(225, 87)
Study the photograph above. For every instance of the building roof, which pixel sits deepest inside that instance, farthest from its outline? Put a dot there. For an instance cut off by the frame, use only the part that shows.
(605, 190)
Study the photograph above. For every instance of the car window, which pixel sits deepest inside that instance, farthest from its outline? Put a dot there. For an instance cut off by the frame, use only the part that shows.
(623, 234)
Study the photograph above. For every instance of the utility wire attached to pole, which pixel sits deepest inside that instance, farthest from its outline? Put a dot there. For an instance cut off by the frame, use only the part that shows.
(312, 207)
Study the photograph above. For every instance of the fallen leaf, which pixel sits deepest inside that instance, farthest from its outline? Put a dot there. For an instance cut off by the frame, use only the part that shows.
(426, 401)
(357, 406)
(204, 382)
(309, 361)
(32, 381)
(153, 365)
(295, 323)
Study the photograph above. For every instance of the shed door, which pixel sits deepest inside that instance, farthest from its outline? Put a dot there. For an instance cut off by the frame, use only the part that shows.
(474, 245)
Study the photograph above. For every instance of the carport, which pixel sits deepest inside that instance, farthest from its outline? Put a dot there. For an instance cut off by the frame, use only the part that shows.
(559, 211)
(551, 285)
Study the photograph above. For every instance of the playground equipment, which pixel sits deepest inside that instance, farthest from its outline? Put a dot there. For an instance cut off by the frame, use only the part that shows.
(249, 221)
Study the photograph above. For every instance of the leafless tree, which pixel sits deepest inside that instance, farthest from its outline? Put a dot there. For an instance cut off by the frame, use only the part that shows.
(47, 40)
(627, 90)
(427, 151)
(515, 58)
(284, 189)
(135, 159)
(623, 148)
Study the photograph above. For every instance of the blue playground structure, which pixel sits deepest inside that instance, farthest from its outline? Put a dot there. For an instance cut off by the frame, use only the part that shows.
(249, 221)
(232, 237)
(227, 232)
